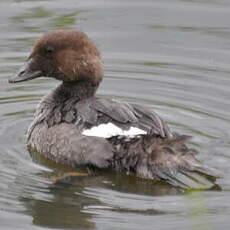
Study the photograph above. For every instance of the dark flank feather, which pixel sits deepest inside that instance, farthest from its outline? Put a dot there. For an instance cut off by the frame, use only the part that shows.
(166, 159)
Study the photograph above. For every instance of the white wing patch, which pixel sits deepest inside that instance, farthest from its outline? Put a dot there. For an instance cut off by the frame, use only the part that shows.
(110, 130)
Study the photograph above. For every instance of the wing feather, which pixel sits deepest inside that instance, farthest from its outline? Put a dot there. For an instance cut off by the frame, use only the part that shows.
(96, 111)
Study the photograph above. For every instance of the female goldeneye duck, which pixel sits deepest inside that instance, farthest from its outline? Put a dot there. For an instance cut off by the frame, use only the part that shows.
(74, 127)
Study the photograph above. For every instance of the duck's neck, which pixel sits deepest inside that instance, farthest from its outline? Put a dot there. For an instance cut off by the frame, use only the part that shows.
(76, 90)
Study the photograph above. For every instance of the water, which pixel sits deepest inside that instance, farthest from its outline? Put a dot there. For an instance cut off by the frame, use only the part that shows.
(171, 55)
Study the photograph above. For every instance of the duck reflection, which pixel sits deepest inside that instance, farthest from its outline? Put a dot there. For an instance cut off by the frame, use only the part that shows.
(70, 205)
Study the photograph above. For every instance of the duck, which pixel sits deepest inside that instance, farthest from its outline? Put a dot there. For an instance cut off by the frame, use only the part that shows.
(75, 127)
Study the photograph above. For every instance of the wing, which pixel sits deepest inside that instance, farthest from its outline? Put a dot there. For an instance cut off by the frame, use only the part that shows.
(96, 111)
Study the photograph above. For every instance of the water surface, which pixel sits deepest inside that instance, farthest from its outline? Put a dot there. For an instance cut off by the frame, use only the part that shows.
(170, 55)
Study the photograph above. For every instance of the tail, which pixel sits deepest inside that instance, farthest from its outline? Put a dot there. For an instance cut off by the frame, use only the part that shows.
(172, 161)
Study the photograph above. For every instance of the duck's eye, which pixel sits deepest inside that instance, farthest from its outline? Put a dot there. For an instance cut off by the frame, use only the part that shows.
(49, 50)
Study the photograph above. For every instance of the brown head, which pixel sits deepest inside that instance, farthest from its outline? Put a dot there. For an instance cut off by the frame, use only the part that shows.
(67, 55)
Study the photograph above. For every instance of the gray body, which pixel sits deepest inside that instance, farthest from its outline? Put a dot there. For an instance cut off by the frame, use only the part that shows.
(61, 117)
